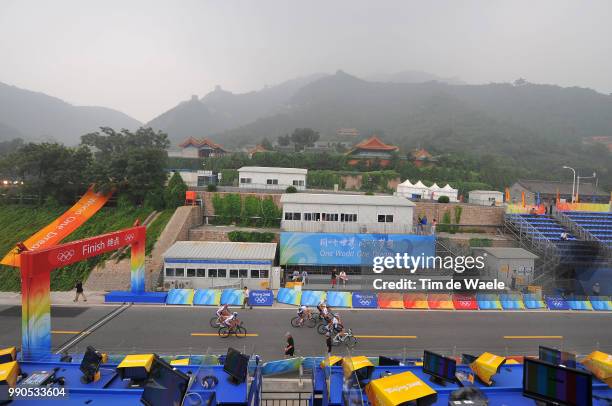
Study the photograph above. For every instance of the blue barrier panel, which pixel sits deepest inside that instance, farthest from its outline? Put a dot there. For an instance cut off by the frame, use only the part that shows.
(180, 297)
(365, 300)
(533, 301)
(557, 303)
(311, 362)
(601, 303)
(261, 298)
(511, 301)
(143, 297)
(579, 303)
(488, 301)
(289, 296)
(282, 366)
(312, 297)
(232, 297)
(207, 297)
(339, 299)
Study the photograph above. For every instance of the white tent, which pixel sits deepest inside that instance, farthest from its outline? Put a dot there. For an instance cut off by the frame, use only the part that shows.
(420, 191)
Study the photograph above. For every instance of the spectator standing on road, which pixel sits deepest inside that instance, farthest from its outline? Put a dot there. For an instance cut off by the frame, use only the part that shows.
(290, 347)
(343, 278)
(295, 275)
(333, 278)
(245, 299)
(304, 276)
(328, 342)
(79, 291)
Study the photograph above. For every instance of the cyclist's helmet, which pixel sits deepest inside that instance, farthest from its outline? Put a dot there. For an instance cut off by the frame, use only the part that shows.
(235, 313)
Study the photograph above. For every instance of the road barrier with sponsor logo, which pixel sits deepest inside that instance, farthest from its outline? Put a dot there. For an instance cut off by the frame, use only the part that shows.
(440, 301)
(289, 296)
(512, 301)
(488, 301)
(312, 297)
(365, 300)
(261, 298)
(465, 302)
(557, 303)
(390, 301)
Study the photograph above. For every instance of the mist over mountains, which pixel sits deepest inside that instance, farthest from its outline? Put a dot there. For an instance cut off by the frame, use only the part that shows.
(37, 116)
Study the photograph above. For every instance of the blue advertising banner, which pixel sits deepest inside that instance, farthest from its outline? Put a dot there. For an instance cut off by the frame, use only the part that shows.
(364, 300)
(232, 297)
(350, 249)
(557, 303)
(261, 298)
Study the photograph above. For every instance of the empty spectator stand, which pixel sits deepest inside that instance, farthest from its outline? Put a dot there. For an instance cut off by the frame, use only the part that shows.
(590, 226)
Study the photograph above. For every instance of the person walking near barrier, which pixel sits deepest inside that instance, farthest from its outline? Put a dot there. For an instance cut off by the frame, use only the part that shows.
(304, 276)
(343, 278)
(290, 347)
(245, 299)
(333, 278)
(433, 226)
(79, 291)
(328, 342)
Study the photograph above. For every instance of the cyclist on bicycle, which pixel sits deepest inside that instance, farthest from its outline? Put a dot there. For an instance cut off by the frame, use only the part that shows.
(223, 312)
(304, 314)
(232, 321)
(335, 325)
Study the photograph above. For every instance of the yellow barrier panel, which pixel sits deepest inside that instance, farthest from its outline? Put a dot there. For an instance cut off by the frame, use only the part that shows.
(353, 364)
(399, 389)
(600, 365)
(486, 366)
(330, 361)
(61, 227)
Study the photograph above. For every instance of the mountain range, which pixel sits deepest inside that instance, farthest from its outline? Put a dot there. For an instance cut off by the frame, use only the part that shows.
(522, 123)
(37, 116)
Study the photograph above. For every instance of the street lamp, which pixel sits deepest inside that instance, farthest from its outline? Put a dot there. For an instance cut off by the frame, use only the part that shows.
(594, 176)
(573, 182)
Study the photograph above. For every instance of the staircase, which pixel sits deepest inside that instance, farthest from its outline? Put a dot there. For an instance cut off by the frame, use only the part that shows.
(115, 275)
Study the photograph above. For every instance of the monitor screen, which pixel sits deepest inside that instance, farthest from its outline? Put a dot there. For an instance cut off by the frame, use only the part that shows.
(555, 384)
(550, 355)
(91, 362)
(439, 366)
(236, 364)
(166, 386)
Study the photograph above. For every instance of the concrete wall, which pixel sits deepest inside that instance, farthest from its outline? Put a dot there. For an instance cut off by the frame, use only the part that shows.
(471, 215)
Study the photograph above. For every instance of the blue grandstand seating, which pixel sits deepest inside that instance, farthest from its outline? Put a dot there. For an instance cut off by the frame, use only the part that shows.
(598, 225)
(544, 227)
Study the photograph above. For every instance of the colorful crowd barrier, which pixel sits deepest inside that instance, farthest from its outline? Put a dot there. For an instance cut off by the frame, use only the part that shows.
(233, 297)
(444, 301)
(207, 297)
(590, 207)
(180, 297)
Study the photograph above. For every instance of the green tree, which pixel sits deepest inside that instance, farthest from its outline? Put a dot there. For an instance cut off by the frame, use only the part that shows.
(270, 212)
(233, 207)
(304, 137)
(284, 140)
(51, 170)
(174, 194)
(266, 144)
(133, 163)
(251, 212)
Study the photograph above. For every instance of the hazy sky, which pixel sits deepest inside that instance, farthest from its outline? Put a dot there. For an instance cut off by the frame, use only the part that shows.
(142, 57)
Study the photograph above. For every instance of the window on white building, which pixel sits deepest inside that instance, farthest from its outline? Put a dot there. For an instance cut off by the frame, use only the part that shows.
(293, 216)
(272, 181)
(298, 183)
(385, 218)
(191, 273)
(246, 180)
(348, 217)
(244, 273)
(201, 273)
(169, 271)
(179, 272)
(233, 273)
(330, 216)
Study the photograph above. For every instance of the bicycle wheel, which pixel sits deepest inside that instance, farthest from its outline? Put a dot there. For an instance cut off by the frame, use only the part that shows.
(224, 332)
(295, 322)
(214, 322)
(322, 329)
(350, 342)
(310, 323)
(240, 331)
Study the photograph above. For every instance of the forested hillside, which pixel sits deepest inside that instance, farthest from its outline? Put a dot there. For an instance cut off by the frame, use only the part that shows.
(19, 222)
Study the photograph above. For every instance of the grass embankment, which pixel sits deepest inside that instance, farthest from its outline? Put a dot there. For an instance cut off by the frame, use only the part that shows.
(17, 223)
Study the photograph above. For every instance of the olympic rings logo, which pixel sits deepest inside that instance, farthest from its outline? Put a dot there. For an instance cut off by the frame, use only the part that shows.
(65, 256)
(260, 299)
(129, 237)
